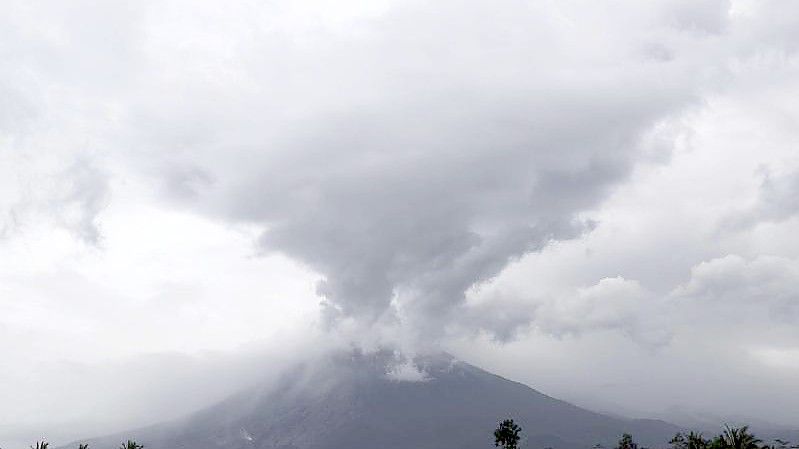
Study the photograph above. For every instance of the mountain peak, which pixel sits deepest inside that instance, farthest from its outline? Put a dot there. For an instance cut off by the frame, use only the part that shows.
(392, 401)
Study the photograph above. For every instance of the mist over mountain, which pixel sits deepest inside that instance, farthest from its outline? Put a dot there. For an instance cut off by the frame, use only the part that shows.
(386, 400)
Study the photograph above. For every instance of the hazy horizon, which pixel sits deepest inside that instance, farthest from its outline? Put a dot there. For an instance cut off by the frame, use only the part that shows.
(597, 199)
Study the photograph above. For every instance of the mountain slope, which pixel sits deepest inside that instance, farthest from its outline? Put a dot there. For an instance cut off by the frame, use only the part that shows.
(358, 401)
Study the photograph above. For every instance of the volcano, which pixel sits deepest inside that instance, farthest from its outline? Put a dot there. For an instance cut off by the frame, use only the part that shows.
(386, 401)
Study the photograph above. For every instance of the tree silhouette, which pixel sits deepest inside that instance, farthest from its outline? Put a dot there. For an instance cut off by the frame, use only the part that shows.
(40, 445)
(130, 444)
(507, 435)
(626, 442)
(692, 440)
(782, 444)
(738, 438)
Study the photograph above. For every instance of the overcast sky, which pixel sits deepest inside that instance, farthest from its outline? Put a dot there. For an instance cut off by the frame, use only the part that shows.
(599, 199)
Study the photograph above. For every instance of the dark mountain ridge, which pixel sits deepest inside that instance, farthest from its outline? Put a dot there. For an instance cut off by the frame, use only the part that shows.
(387, 401)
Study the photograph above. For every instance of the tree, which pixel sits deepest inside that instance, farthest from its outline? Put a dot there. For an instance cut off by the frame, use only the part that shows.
(738, 438)
(130, 444)
(626, 442)
(697, 441)
(83, 446)
(507, 435)
(692, 440)
(679, 441)
(782, 444)
(40, 445)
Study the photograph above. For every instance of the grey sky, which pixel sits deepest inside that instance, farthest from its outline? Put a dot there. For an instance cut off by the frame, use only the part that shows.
(589, 197)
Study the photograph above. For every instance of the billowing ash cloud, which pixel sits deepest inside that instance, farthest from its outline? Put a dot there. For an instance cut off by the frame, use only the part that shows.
(411, 162)
(403, 213)
(777, 200)
(437, 165)
(407, 154)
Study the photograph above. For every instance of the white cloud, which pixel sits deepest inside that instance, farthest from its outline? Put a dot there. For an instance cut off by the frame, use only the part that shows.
(607, 189)
(407, 372)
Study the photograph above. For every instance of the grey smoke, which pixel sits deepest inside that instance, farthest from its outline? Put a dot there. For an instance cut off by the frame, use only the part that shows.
(542, 174)
(71, 198)
(424, 179)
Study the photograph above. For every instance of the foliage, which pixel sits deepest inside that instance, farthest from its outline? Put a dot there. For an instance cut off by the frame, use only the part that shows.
(730, 438)
(626, 442)
(691, 440)
(739, 438)
(781, 444)
(507, 435)
(130, 444)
